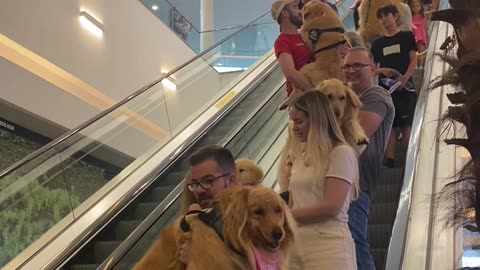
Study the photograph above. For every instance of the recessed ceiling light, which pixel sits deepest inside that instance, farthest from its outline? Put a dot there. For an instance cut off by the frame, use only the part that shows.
(155, 7)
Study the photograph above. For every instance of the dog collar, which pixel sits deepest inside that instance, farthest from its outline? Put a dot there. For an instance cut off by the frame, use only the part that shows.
(315, 33)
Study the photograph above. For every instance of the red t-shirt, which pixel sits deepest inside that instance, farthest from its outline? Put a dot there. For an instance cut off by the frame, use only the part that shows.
(293, 45)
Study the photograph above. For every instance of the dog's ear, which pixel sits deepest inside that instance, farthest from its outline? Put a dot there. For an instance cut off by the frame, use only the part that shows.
(258, 172)
(352, 98)
(235, 220)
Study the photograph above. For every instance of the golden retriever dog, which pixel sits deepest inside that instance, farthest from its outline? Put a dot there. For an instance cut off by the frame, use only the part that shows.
(346, 106)
(254, 220)
(248, 172)
(322, 32)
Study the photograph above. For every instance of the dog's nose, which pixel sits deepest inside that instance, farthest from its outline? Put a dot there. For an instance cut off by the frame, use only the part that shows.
(277, 235)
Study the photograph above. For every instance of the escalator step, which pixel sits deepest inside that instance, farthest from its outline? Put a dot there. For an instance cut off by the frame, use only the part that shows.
(379, 235)
(142, 210)
(379, 255)
(103, 249)
(172, 178)
(84, 267)
(387, 193)
(125, 227)
(383, 213)
(391, 176)
(158, 194)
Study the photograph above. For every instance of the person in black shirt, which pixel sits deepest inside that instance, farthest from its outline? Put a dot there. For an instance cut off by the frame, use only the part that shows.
(396, 50)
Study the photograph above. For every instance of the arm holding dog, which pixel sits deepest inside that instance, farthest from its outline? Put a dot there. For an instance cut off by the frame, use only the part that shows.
(335, 195)
(341, 174)
(298, 79)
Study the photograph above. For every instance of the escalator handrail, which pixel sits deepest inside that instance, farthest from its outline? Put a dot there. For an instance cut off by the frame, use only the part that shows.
(396, 248)
(102, 114)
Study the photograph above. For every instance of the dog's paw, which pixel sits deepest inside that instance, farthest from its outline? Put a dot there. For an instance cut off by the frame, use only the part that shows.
(363, 141)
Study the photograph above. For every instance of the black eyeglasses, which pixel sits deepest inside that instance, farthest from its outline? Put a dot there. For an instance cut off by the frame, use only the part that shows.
(355, 67)
(206, 183)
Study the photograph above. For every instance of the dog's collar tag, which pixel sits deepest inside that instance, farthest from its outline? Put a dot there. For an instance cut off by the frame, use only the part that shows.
(314, 35)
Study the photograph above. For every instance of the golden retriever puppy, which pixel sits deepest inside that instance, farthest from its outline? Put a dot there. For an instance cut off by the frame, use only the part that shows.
(322, 32)
(248, 172)
(346, 106)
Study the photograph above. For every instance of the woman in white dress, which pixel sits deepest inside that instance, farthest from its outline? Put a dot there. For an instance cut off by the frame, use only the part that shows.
(324, 180)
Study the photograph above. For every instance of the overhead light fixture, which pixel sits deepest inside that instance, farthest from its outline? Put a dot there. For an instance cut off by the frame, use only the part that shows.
(91, 24)
(155, 7)
(169, 82)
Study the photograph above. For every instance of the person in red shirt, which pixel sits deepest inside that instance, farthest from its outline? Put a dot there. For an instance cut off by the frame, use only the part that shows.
(290, 50)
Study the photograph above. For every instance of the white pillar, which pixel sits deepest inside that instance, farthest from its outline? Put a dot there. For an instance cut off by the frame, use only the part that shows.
(206, 23)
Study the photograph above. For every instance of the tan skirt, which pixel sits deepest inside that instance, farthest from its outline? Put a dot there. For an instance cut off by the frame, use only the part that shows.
(328, 245)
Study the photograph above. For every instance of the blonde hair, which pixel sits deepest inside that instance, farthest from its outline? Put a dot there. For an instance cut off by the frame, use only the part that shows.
(323, 135)
(285, 157)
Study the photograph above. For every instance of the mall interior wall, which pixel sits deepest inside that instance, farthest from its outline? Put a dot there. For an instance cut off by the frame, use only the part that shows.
(135, 49)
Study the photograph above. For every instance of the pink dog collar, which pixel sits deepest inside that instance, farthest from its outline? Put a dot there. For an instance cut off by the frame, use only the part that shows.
(265, 262)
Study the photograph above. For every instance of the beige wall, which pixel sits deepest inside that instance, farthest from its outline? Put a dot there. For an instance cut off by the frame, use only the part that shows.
(135, 49)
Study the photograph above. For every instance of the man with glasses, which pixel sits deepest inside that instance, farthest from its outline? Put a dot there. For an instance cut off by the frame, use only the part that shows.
(376, 118)
(212, 171)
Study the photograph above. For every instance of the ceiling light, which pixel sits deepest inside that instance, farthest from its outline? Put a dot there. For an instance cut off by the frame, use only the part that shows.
(91, 24)
(155, 7)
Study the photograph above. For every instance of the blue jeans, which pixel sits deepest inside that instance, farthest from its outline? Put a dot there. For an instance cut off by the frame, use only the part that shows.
(358, 224)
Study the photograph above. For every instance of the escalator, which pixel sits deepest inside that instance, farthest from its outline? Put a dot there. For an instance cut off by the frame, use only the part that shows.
(108, 228)
(252, 141)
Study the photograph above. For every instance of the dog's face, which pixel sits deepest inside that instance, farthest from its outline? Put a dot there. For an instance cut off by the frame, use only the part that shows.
(248, 172)
(345, 103)
(318, 16)
(258, 215)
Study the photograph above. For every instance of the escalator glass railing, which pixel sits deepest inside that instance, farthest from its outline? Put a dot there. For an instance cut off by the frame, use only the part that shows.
(238, 53)
(250, 121)
(50, 189)
(253, 142)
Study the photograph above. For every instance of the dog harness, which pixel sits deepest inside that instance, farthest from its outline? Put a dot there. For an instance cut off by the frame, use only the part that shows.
(212, 218)
(315, 34)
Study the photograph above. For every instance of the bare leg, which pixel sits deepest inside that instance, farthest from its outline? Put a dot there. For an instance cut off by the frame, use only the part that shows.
(406, 131)
(421, 60)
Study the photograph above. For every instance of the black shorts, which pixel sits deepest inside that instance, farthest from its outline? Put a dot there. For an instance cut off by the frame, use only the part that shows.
(404, 102)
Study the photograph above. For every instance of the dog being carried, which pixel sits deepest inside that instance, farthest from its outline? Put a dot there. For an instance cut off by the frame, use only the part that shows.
(247, 228)
(322, 32)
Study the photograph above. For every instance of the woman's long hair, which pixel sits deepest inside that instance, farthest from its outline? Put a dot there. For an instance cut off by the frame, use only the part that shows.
(285, 158)
(324, 133)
